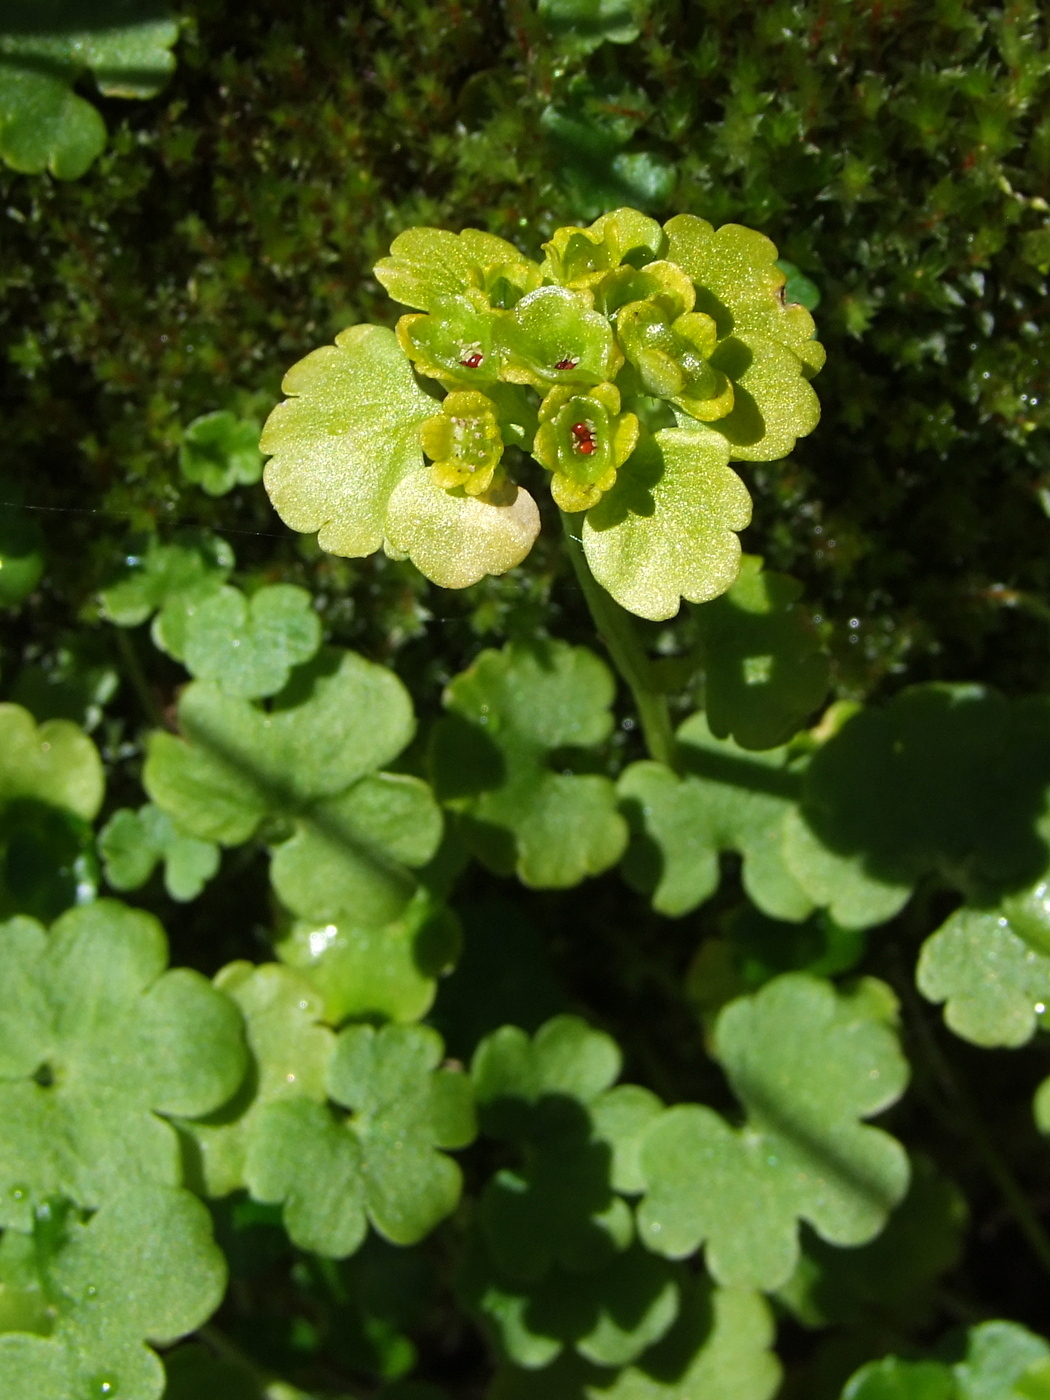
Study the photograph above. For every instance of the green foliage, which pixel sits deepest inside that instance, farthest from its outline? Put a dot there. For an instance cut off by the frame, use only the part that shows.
(313, 762)
(390, 972)
(72, 1271)
(661, 504)
(132, 844)
(249, 647)
(808, 1065)
(705, 886)
(100, 1046)
(726, 800)
(220, 451)
(125, 44)
(765, 669)
(168, 580)
(334, 1174)
(993, 984)
(492, 760)
(1002, 1361)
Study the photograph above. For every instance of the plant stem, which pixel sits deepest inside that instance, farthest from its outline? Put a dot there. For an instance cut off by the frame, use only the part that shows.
(137, 676)
(617, 631)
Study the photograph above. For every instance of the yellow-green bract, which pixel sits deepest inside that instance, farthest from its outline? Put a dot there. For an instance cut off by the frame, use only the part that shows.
(635, 363)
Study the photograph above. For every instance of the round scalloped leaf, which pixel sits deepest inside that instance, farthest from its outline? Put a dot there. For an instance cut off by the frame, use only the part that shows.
(741, 286)
(995, 987)
(301, 1156)
(727, 800)
(340, 719)
(112, 1041)
(773, 402)
(43, 123)
(893, 1277)
(550, 1094)
(578, 26)
(808, 1064)
(169, 577)
(946, 780)
(220, 451)
(368, 973)
(248, 647)
(667, 529)
(455, 540)
(162, 1238)
(609, 1316)
(765, 669)
(348, 855)
(132, 843)
(428, 265)
(717, 1349)
(55, 763)
(343, 439)
(289, 1053)
(491, 760)
(404, 1109)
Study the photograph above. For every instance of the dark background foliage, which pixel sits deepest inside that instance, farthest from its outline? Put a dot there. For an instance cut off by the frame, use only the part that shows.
(898, 153)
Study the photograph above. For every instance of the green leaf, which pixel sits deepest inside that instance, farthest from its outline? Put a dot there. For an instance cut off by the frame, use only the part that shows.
(157, 1235)
(427, 266)
(550, 1095)
(54, 763)
(808, 1064)
(995, 987)
(944, 780)
(893, 1277)
(493, 761)
(404, 1109)
(288, 1057)
(220, 451)
(728, 800)
(666, 530)
(366, 973)
(112, 1042)
(384, 1161)
(51, 786)
(125, 44)
(718, 1349)
(248, 647)
(765, 670)
(740, 283)
(455, 540)
(579, 26)
(168, 579)
(347, 462)
(799, 288)
(302, 1157)
(311, 761)
(894, 1379)
(132, 843)
(21, 550)
(339, 720)
(1002, 1361)
(998, 1356)
(609, 1315)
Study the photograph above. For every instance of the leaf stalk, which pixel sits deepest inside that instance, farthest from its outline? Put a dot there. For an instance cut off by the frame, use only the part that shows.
(616, 628)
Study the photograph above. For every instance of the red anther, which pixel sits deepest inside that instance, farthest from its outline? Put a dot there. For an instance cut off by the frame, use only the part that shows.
(585, 439)
(566, 364)
(472, 361)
